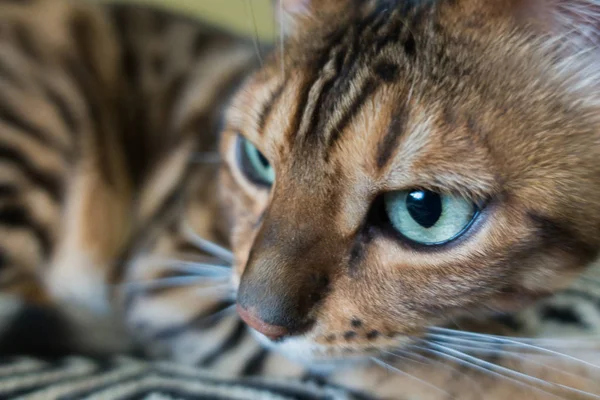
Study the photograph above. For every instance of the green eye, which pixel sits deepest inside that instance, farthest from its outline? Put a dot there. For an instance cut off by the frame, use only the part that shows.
(429, 218)
(254, 164)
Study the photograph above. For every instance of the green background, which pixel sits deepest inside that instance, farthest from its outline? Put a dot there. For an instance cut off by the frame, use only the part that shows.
(238, 15)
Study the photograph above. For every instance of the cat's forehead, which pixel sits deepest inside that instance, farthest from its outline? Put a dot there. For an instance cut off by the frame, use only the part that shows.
(370, 97)
(384, 56)
(337, 75)
(409, 97)
(383, 30)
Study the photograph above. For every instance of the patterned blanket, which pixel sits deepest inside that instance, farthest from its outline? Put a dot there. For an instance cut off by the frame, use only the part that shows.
(127, 378)
(48, 375)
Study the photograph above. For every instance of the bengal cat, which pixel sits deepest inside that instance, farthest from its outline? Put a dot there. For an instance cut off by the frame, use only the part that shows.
(401, 183)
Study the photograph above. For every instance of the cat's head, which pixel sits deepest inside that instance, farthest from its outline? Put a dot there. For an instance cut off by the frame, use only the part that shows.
(398, 163)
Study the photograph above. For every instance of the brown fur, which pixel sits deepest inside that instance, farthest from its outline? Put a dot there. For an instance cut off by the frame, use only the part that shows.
(468, 97)
(512, 138)
(123, 98)
(461, 97)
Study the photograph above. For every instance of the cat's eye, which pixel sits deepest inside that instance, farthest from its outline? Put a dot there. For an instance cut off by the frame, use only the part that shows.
(427, 217)
(254, 164)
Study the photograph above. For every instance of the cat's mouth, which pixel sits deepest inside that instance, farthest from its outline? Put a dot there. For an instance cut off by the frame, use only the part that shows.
(303, 350)
(298, 347)
(307, 341)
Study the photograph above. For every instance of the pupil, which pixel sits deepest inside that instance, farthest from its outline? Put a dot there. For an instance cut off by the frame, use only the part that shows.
(263, 159)
(425, 207)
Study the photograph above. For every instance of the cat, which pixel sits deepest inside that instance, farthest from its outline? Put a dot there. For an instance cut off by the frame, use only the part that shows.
(394, 170)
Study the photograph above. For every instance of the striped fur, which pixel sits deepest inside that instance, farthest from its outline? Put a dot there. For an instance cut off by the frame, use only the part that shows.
(108, 119)
(495, 101)
(103, 111)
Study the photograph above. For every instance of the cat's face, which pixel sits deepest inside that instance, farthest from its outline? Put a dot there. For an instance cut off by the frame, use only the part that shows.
(412, 164)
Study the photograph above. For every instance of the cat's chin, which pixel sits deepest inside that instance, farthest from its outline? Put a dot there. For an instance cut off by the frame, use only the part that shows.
(319, 357)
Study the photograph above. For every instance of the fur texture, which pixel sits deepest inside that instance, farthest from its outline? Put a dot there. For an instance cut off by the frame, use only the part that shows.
(108, 115)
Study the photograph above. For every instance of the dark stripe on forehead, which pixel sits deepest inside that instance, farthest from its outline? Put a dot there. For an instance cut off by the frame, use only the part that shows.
(334, 71)
(354, 54)
(325, 100)
(405, 6)
(400, 20)
(388, 144)
(268, 107)
(368, 88)
(338, 53)
(299, 112)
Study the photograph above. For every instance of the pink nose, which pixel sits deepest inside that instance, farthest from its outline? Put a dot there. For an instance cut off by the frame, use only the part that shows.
(273, 332)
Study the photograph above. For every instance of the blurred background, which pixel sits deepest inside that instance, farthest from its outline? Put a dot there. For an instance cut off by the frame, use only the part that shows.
(248, 17)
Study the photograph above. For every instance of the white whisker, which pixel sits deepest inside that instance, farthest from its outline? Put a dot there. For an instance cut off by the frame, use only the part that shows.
(555, 342)
(207, 246)
(483, 366)
(512, 342)
(481, 349)
(491, 346)
(431, 361)
(203, 270)
(409, 356)
(523, 345)
(176, 281)
(387, 366)
(222, 313)
(196, 321)
(507, 371)
(188, 256)
(192, 267)
(171, 281)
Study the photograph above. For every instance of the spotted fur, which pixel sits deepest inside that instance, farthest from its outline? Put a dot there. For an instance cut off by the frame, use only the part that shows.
(109, 115)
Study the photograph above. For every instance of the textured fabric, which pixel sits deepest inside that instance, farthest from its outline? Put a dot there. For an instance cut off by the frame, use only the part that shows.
(126, 378)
